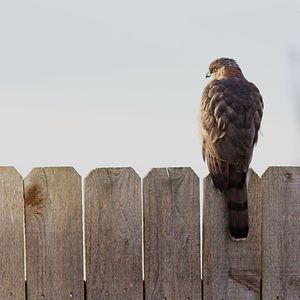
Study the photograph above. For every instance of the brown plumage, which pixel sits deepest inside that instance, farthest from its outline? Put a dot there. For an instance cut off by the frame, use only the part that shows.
(230, 116)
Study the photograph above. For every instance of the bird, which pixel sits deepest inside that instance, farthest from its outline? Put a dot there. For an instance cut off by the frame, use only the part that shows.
(230, 115)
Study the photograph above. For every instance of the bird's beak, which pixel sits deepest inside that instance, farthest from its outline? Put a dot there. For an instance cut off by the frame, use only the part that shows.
(208, 75)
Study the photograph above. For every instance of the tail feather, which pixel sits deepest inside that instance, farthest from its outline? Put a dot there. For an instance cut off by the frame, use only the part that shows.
(237, 212)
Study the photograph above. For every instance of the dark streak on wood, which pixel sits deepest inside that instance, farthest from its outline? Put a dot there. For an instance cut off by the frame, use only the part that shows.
(33, 195)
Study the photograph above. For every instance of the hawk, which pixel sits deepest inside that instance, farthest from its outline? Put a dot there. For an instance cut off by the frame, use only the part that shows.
(230, 115)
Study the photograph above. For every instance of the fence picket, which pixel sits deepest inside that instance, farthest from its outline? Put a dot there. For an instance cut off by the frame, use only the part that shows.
(113, 234)
(53, 223)
(281, 233)
(172, 234)
(264, 266)
(11, 235)
(231, 269)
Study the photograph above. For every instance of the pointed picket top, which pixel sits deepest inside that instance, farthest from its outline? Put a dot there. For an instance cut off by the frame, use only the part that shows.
(112, 172)
(10, 170)
(278, 170)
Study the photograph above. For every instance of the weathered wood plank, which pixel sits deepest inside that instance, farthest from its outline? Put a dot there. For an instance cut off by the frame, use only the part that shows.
(11, 235)
(231, 269)
(281, 233)
(53, 231)
(172, 234)
(113, 234)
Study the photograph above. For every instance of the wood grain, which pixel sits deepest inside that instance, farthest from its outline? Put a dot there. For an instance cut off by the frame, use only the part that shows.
(12, 281)
(53, 220)
(231, 269)
(172, 234)
(113, 234)
(281, 233)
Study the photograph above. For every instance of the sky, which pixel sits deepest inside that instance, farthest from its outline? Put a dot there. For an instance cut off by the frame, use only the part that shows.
(118, 83)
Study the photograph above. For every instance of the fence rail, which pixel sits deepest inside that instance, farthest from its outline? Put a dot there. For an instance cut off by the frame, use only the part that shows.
(151, 227)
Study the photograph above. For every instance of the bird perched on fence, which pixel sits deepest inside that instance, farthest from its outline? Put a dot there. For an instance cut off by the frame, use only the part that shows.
(230, 115)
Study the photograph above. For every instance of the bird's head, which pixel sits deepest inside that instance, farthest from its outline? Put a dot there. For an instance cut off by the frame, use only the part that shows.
(222, 67)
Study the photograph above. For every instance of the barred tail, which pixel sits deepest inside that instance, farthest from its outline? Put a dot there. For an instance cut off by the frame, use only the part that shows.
(237, 211)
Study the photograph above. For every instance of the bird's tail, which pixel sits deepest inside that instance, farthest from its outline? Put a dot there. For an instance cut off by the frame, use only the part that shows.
(236, 199)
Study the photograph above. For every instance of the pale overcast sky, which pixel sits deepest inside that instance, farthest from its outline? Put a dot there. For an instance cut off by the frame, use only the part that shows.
(118, 83)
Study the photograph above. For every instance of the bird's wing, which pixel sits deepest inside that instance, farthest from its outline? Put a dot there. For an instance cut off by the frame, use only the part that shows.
(230, 112)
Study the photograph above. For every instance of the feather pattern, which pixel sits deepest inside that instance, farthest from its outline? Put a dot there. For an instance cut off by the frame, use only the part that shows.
(230, 116)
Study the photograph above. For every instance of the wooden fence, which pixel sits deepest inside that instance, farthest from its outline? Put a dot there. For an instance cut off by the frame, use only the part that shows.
(119, 211)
